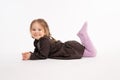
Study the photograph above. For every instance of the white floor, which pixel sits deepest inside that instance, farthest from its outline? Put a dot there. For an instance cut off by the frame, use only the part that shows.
(97, 68)
(103, 18)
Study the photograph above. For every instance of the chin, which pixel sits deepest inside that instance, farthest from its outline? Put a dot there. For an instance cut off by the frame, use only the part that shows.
(37, 38)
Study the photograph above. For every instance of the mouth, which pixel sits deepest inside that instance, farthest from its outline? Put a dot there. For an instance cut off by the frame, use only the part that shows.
(36, 35)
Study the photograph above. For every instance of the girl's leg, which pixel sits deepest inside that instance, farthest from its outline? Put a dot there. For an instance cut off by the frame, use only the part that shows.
(89, 51)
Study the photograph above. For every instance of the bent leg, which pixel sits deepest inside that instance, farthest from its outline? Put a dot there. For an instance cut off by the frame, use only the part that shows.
(90, 50)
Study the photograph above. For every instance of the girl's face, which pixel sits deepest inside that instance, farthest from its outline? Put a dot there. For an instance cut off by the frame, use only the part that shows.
(37, 30)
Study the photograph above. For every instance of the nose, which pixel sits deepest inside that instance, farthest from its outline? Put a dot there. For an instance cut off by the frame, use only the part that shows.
(36, 31)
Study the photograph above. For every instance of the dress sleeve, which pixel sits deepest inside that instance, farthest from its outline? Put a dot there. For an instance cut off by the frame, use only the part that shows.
(42, 49)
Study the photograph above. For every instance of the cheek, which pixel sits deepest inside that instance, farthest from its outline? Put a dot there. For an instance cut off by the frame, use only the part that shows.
(41, 32)
(32, 32)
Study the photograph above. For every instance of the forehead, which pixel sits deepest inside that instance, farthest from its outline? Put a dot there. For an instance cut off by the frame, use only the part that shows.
(37, 25)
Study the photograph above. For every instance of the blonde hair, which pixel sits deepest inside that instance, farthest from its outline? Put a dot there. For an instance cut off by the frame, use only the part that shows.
(45, 26)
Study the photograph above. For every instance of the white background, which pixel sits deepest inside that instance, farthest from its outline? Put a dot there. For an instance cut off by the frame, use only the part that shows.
(65, 18)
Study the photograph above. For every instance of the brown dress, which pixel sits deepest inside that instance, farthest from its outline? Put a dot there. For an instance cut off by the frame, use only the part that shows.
(46, 48)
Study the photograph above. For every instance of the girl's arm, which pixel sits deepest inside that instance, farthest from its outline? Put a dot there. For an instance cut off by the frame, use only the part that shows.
(42, 50)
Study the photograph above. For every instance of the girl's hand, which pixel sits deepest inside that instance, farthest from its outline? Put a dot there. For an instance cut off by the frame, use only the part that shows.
(26, 55)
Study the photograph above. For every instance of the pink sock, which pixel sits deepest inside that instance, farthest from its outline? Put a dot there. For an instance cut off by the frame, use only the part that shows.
(89, 51)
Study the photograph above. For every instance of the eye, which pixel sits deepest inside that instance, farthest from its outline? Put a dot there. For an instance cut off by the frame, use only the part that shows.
(33, 29)
(39, 29)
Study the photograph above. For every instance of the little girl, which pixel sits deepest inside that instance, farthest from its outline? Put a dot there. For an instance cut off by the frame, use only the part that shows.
(47, 47)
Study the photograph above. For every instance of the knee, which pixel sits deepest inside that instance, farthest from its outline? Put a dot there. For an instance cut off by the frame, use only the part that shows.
(89, 53)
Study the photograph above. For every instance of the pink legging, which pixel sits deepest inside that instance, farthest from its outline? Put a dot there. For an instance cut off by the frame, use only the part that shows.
(89, 51)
